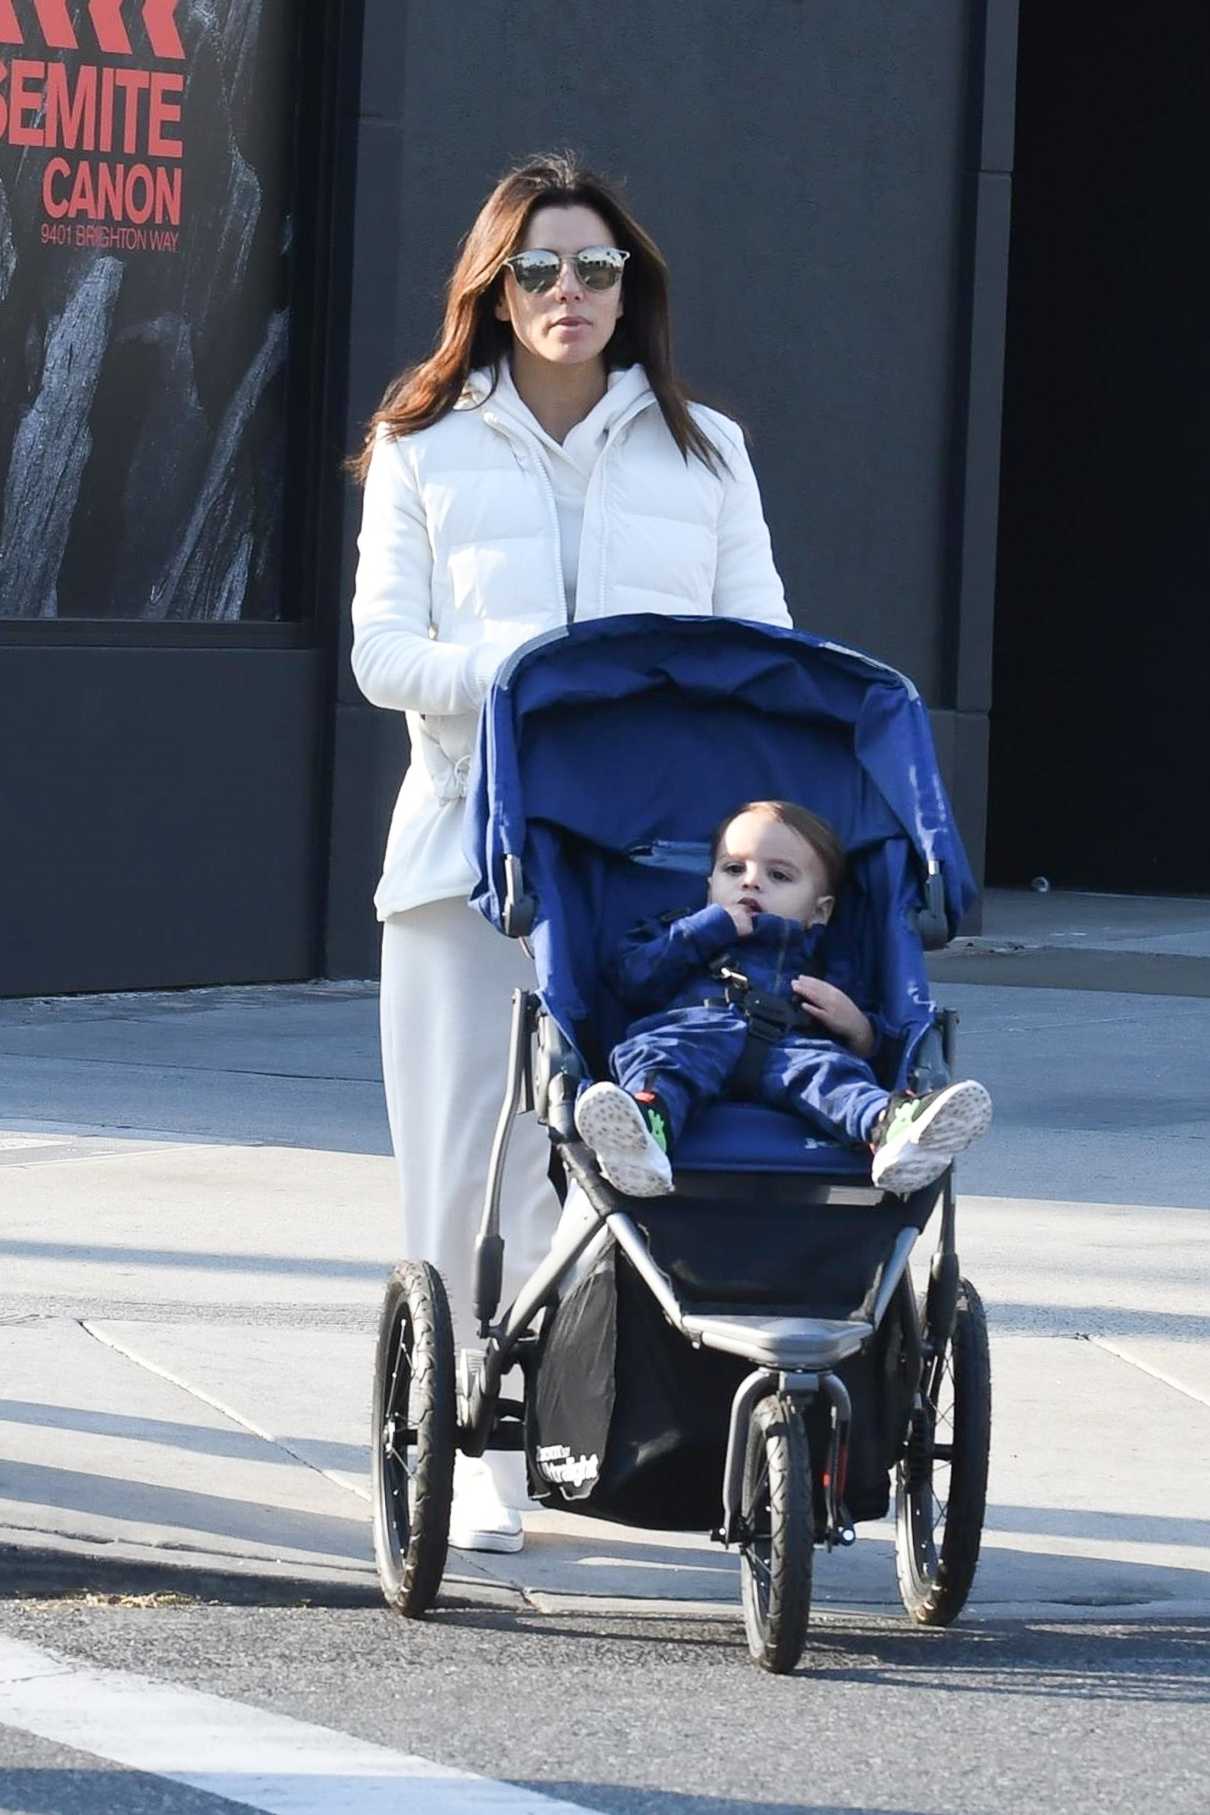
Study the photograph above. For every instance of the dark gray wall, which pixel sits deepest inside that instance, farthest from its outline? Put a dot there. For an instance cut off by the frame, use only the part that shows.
(830, 185)
(158, 815)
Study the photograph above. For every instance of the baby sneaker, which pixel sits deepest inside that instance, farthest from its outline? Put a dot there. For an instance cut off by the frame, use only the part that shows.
(628, 1139)
(917, 1137)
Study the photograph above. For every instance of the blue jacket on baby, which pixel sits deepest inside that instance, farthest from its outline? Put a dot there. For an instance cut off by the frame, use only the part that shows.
(691, 1039)
(666, 963)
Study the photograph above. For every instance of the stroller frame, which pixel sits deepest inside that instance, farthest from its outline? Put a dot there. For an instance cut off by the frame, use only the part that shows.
(425, 1407)
(792, 1356)
(794, 1363)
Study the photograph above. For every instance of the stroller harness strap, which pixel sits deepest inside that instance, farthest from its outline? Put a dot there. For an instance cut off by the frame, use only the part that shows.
(769, 1019)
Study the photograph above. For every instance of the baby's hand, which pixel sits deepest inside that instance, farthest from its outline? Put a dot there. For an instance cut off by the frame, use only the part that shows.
(837, 1014)
(743, 919)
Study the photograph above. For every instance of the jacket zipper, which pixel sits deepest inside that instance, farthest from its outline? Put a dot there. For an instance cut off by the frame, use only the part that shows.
(782, 943)
(524, 454)
(615, 434)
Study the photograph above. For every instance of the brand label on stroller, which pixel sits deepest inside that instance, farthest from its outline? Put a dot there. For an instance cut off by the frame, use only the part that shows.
(557, 1463)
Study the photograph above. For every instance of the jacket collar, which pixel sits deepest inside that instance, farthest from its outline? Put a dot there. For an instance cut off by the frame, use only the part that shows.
(628, 392)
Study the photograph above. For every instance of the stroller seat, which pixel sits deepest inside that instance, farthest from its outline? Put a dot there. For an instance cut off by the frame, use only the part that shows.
(748, 1137)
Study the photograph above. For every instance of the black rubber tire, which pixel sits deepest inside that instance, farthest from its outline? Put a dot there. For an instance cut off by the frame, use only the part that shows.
(413, 1390)
(940, 1502)
(777, 1551)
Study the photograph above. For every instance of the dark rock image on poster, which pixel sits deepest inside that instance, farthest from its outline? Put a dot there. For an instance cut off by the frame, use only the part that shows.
(144, 251)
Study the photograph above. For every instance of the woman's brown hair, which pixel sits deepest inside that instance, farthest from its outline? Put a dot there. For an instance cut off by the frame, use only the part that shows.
(813, 830)
(472, 338)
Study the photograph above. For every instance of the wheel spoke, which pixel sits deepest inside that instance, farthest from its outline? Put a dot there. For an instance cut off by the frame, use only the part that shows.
(401, 1461)
(402, 1364)
(758, 1491)
(760, 1568)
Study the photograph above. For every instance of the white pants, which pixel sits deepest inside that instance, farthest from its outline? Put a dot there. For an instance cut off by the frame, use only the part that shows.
(447, 983)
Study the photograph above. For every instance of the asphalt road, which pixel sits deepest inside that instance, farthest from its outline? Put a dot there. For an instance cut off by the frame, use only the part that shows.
(667, 1717)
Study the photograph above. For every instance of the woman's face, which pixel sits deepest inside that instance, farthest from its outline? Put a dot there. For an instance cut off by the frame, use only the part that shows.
(567, 324)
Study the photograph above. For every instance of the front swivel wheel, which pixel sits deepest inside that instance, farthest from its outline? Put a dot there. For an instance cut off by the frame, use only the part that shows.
(777, 1535)
(412, 1438)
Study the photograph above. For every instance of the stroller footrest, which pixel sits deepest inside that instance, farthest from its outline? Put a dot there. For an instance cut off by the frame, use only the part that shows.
(780, 1342)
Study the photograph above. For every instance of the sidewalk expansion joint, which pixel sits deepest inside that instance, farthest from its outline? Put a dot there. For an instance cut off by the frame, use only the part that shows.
(1178, 1386)
(226, 1411)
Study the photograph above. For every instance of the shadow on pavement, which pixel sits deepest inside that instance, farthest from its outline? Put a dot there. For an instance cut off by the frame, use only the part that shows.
(43, 1574)
(1121, 1661)
(54, 1789)
(608, 1797)
(1090, 1521)
(200, 1439)
(51, 1791)
(194, 1260)
(139, 1504)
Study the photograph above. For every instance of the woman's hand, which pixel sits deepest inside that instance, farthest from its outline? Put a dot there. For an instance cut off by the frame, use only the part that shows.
(836, 1013)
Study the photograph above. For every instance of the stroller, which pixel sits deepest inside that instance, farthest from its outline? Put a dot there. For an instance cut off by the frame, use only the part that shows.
(748, 1356)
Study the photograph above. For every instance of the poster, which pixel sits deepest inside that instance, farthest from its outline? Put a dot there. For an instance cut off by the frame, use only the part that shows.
(144, 270)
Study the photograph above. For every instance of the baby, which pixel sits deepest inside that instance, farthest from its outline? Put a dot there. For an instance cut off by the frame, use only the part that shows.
(776, 870)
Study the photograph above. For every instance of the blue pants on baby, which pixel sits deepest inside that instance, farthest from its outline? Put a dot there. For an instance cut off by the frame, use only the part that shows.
(687, 1056)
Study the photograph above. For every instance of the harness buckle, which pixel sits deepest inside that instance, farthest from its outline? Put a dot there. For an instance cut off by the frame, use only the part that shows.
(768, 1017)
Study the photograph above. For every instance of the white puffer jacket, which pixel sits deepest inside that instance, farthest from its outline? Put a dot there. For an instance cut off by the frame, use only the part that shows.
(460, 563)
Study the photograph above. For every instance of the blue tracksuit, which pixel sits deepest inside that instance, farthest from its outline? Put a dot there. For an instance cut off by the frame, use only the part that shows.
(686, 1051)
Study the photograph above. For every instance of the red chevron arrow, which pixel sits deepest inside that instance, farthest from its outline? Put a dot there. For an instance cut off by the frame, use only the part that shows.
(161, 28)
(52, 17)
(107, 20)
(57, 29)
(112, 36)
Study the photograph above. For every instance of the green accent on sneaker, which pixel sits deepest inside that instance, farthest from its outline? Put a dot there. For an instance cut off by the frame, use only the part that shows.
(897, 1118)
(657, 1127)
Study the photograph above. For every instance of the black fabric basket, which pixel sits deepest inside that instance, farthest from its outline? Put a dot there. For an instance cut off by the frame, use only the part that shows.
(627, 1421)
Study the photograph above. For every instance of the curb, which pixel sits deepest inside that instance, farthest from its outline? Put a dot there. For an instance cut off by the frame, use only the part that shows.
(44, 1572)
(1060, 967)
(38, 1572)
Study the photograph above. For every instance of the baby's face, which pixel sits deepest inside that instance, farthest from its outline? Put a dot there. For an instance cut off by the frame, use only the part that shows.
(768, 868)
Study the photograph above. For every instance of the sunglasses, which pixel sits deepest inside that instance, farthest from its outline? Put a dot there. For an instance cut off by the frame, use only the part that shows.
(597, 267)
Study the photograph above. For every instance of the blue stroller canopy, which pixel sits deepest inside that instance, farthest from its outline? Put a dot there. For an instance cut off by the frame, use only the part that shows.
(598, 681)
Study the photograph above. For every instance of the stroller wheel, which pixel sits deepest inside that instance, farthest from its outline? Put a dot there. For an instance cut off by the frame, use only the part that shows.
(412, 1438)
(777, 1547)
(941, 1481)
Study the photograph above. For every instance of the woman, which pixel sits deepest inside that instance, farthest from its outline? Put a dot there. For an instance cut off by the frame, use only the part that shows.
(543, 465)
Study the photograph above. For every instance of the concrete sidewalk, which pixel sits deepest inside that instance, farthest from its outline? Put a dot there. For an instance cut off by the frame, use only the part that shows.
(199, 1213)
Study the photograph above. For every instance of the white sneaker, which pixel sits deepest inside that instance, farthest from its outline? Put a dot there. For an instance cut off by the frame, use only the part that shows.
(479, 1519)
(919, 1136)
(610, 1122)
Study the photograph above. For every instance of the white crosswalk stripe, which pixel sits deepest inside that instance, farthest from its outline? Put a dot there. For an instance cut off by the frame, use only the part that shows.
(263, 1760)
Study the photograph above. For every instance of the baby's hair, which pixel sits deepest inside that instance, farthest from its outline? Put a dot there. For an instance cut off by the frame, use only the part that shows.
(810, 828)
